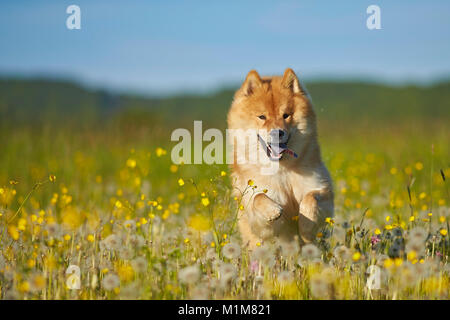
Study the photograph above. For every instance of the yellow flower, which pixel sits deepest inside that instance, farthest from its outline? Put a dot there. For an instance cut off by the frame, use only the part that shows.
(223, 173)
(412, 255)
(213, 244)
(393, 170)
(377, 231)
(241, 207)
(180, 182)
(160, 152)
(67, 237)
(412, 218)
(91, 238)
(356, 256)
(398, 262)
(52, 178)
(388, 263)
(24, 286)
(443, 232)
(388, 227)
(422, 195)
(125, 272)
(13, 232)
(441, 219)
(199, 222)
(118, 204)
(173, 168)
(250, 182)
(205, 202)
(419, 166)
(131, 163)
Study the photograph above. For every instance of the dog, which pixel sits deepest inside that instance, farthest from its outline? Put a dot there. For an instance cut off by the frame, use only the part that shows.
(294, 201)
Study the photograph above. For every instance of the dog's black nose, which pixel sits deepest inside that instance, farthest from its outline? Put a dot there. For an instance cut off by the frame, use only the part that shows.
(277, 134)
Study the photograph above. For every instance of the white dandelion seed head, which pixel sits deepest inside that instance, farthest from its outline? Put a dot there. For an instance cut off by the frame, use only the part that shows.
(53, 230)
(310, 252)
(189, 275)
(231, 250)
(136, 241)
(342, 253)
(418, 234)
(285, 277)
(110, 282)
(261, 253)
(130, 225)
(211, 254)
(112, 242)
(319, 287)
(289, 249)
(139, 264)
(200, 292)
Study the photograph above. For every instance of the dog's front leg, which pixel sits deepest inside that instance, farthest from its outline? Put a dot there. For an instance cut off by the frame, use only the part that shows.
(265, 209)
(314, 208)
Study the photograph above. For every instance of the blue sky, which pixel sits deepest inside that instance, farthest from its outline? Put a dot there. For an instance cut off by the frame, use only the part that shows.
(169, 46)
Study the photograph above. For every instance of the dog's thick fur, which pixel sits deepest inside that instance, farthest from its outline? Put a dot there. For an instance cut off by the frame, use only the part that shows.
(299, 197)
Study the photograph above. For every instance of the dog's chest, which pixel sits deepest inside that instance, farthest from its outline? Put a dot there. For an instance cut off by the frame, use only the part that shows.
(288, 189)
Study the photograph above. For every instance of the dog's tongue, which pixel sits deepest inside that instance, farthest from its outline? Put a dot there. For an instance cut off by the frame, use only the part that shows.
(278, 149)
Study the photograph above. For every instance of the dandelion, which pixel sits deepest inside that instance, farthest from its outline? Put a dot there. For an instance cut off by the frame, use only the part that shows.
(342, 253)
(110, 282)
(310, 252)
(223, 173)
(319, 286)
(231, 250)
(285, 277)
(180, 182)
(90, 238)
(53, 230)
(205, 202)
(356, 256)
(200, 292)
(37, 283)
(418, 234)
(289, 249)
(189, 275)
(112, 242)
(139, 264)
(131, 163)
(443, 232)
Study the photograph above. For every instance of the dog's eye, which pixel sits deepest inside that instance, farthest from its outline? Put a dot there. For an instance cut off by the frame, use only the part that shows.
(262, 117)
(286, 115)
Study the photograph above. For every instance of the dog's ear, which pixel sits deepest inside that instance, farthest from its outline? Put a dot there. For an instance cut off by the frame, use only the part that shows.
(252, 82)
(290, 81)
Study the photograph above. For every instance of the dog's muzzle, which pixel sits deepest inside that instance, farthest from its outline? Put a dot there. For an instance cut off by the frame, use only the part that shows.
(277, 145)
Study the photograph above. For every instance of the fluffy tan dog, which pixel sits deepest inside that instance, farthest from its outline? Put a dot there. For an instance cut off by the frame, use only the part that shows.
(296, 199)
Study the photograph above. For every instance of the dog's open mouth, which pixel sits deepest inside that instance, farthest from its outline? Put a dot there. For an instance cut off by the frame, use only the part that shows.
(275, 151)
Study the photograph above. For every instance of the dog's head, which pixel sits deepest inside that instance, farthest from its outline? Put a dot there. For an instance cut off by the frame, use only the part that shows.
(278, 109)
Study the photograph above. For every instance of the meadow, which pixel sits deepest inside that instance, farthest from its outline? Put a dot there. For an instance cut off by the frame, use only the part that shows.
(107, 199)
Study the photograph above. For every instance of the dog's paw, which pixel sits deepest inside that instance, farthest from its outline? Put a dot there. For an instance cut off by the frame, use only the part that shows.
(266, 209)
(309, 207)
(273, 213)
